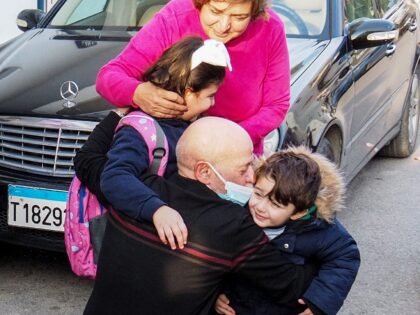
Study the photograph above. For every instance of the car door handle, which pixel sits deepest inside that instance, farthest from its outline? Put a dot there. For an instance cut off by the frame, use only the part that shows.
(412, 27)
(390, 49)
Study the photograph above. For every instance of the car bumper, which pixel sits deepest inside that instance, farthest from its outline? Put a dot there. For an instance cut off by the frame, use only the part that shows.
(26, 236)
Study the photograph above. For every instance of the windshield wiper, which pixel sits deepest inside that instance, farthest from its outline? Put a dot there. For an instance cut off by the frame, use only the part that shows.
(105, 35)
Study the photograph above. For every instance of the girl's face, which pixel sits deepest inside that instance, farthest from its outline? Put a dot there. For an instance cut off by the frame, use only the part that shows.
(198, 102)
(264, 211)
(224, 21)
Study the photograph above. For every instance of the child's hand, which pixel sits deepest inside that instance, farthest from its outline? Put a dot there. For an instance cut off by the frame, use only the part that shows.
(170, 227)
(222, 306)
(307, 311)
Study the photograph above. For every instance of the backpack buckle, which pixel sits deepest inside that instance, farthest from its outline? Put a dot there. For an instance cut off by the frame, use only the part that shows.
(159, 153)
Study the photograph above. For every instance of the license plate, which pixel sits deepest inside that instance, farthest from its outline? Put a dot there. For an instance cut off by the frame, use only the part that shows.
(36, 208)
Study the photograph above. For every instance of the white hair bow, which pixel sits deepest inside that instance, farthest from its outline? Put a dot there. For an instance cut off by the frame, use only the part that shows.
(212, 52)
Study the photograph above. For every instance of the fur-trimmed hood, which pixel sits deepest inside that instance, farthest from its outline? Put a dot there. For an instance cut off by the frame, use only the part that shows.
(330, 197)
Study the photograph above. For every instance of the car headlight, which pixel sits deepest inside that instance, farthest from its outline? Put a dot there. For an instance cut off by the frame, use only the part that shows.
(271, 142)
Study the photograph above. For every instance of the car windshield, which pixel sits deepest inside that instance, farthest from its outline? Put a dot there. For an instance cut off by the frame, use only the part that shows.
(303, 18)
(105, 14)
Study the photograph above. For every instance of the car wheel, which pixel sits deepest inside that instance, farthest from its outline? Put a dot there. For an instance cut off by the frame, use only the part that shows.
(330, 147)
(404, 143)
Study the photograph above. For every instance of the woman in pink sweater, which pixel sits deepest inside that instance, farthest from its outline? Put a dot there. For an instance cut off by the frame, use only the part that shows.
(255, 94)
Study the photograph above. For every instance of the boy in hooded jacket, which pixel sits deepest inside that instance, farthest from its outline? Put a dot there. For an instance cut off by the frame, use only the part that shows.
(295, 200)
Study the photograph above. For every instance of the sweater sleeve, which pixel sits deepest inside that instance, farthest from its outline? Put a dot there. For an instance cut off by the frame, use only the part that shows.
(128, 160)
(340, 261)
(90, 160)
(276, 90)
(117, 80)
(259, 262)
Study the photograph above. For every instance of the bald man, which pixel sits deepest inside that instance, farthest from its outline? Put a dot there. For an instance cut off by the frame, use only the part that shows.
(214, 145)
(138, 274)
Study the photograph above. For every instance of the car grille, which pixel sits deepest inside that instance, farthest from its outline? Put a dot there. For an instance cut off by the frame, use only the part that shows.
(41, 145)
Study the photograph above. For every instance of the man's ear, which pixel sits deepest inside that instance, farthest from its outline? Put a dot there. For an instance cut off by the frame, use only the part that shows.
(202, 172)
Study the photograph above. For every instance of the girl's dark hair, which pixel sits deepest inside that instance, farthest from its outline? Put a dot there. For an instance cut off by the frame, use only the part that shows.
(297, 179)
(172, 71)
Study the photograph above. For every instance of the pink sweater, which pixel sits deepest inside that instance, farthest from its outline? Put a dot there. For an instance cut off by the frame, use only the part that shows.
(255, 94)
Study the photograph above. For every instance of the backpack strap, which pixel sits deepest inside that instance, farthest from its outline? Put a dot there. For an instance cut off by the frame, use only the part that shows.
(160, 150)
(153, 136)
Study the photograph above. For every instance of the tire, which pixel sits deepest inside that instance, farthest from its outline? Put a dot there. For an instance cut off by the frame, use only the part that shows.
(329, 146)
(405, 142)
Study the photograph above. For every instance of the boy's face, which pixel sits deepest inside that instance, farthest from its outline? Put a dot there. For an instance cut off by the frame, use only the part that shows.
(265, 212)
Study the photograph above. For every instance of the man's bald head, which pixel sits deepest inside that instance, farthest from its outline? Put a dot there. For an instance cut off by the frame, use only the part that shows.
(212, 139)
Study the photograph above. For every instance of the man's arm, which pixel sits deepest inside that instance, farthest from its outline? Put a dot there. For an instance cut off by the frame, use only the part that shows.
(260, 262)
(90, 160)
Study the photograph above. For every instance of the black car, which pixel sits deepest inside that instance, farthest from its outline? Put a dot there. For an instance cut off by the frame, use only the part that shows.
(354, 93)
(355, 88)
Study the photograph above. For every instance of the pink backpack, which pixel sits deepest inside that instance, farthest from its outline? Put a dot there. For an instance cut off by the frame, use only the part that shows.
(85, 221)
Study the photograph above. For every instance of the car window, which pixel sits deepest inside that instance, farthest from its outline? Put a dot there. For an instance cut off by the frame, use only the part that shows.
(384, 5)
(302, 18)
(86, 9)
(356, 9)
(105, 14)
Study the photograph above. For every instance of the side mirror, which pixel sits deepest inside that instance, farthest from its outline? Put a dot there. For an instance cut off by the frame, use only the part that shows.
(365, 33)
(28, 19)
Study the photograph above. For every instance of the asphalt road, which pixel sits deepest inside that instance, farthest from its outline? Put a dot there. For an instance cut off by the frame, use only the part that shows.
(383, 214)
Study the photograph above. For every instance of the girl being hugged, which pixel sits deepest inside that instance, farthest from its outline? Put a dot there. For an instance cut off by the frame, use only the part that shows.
(192, 68)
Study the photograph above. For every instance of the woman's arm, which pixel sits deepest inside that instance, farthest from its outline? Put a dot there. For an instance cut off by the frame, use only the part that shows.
(276, 91)
(120, 82)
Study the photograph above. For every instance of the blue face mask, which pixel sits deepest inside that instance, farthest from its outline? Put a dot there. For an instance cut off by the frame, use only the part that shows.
(235, 193)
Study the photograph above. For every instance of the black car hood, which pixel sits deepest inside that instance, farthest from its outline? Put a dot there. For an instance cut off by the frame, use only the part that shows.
(303, 52)
(34, 65)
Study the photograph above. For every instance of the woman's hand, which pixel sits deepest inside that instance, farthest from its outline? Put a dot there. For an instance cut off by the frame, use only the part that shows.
(158, 102)
(222, 306)
(170, 227)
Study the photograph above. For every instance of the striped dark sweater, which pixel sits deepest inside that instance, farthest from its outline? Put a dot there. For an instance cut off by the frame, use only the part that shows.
(137, 274)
